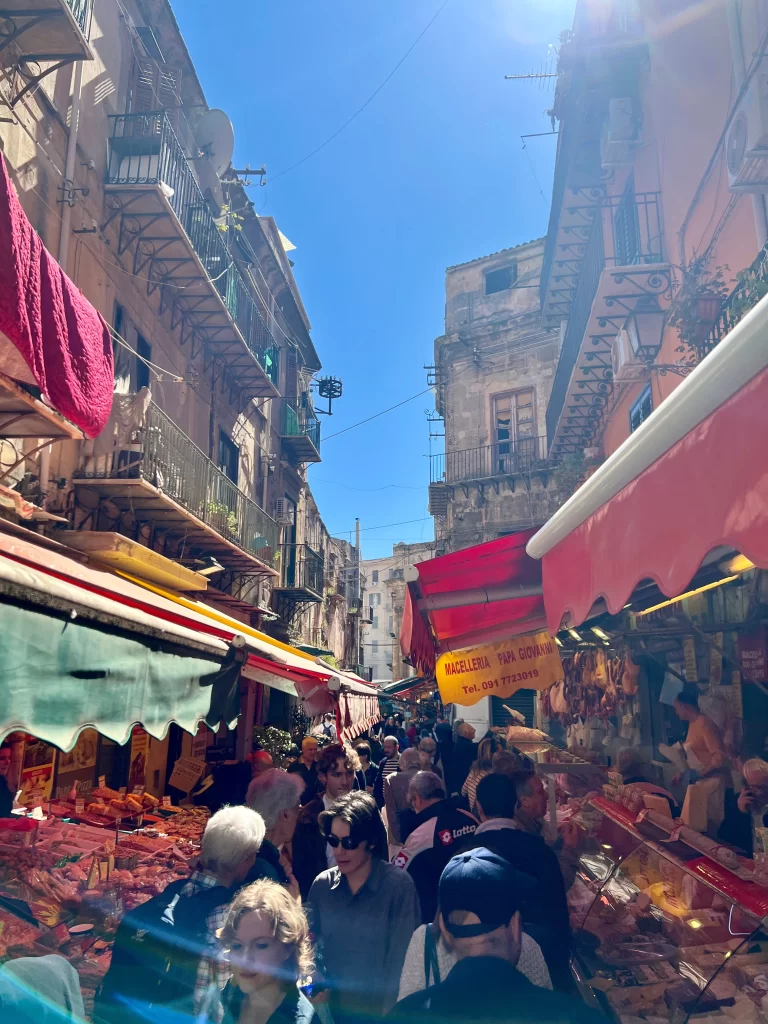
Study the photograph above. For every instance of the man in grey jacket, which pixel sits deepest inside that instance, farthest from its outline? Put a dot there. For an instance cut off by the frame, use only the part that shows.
(396, 795)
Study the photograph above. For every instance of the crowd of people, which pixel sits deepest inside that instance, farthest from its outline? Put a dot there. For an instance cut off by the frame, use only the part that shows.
(405, 876)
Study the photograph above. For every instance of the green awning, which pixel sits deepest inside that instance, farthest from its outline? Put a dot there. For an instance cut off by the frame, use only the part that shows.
(60, 673)
(401, 686)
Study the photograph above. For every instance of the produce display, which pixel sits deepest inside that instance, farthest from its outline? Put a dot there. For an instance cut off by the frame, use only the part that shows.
(652, 939)
(64, 886)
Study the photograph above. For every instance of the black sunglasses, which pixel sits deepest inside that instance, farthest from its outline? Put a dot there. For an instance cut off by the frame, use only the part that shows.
(347, 843)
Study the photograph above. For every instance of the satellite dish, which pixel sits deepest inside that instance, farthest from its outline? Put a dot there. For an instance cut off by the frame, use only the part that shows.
(210, 185)
(215, 138)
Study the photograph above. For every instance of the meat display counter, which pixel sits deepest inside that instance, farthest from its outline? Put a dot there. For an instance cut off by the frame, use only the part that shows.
(666, 923)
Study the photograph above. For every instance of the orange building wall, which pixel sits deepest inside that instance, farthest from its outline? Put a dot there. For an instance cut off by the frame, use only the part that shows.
(686, 99)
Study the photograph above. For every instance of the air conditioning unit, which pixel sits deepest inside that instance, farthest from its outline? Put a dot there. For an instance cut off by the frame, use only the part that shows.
(283, 512)
(619, 138)
(626, 363)
(746, 145)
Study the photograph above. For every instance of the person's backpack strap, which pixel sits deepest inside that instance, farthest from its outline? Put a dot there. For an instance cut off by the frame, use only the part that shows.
(431, 965)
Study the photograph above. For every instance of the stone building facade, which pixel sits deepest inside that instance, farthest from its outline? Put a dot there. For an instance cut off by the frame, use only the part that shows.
(383, 604)
(125, 173)
(493, 375)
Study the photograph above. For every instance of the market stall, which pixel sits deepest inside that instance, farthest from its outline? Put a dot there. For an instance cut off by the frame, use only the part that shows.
(666, 924)
(65, 885)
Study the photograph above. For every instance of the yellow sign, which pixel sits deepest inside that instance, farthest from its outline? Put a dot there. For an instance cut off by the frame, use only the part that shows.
(499, 670)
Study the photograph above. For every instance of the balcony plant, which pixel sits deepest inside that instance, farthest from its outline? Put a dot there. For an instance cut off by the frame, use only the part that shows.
(696, 306)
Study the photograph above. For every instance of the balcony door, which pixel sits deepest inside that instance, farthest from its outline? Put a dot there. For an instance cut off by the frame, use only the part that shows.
(513, 429)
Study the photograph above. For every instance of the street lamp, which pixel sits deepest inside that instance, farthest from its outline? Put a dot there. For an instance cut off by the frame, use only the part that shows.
(645, 328)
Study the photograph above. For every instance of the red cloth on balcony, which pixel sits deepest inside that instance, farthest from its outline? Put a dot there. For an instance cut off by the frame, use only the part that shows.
(63, 339)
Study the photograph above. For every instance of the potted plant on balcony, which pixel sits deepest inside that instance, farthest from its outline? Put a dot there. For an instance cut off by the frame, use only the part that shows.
(696, 306)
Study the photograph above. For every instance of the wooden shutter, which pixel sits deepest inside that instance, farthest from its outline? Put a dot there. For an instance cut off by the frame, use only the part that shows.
(156, 86)
(291, 375)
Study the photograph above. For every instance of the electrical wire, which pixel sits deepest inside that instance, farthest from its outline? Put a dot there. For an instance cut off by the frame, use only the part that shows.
(385, 526)
(376, 415)
(370, 99)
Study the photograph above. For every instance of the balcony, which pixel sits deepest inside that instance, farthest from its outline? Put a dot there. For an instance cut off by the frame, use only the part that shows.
(300, 432)
(161, 477)
(505, 458)
(302, 572)
(163, 218)
(623, 270)
(53, 31)
(752, 286)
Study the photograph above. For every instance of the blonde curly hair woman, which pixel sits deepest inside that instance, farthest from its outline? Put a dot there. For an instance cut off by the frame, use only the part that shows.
(266, 940)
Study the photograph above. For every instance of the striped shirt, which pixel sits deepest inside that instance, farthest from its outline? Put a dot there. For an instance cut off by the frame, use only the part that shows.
(469, 789)
(391, 765)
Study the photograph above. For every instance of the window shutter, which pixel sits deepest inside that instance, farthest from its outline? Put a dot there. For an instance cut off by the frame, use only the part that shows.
(291, 375)
(156, 87)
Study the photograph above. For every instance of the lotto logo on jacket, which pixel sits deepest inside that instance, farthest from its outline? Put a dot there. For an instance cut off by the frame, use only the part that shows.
(430, 846)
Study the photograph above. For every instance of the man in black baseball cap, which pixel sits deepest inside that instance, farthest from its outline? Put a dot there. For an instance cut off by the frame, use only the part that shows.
(479, 900)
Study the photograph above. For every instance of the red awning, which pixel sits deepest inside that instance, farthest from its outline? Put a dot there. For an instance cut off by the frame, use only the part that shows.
(63, 339)
(692, 479)
(479, 595)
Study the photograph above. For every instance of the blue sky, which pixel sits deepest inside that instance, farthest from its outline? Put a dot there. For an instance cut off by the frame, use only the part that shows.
(431, 174)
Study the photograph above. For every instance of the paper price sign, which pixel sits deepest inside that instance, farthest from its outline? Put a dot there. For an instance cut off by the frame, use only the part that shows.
(499, 670)
(102, 781)
(167, 801)
(186, 772)
(79, 806)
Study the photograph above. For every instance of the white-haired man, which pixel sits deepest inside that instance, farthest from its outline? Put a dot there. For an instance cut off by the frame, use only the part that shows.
(166, 952)
(276, 796)
(231, 844)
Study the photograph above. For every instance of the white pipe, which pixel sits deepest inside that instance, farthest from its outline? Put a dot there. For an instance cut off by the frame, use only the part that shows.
(69, 167)
(45, 472)
(478, 595)
(740, 356)
(739, 74)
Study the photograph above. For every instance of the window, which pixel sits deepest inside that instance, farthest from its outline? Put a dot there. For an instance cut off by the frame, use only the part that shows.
(375, 621)
(391, 625)
(131, 372)
(375, 647)
(144, 349)
(500, 280)
(375, 576)
(396, 574)
(641, 409)
(229, 456)
(513, 430)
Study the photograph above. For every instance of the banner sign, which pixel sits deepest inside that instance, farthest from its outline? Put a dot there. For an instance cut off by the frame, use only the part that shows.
(499, 670)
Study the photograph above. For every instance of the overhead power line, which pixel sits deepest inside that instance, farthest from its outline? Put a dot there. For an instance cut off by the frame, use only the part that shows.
(370, 99)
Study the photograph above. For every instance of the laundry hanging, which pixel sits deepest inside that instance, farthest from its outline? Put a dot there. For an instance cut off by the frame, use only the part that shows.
(64, 340)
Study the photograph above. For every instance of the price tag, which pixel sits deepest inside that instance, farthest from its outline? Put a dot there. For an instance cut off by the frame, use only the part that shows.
(138, 790)
(79, 806)
(102, 781)
(167, 801)
(122, 791)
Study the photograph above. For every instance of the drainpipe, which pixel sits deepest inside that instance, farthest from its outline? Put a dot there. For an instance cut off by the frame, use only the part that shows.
(739, 74)
(44, 463)
(69, 167)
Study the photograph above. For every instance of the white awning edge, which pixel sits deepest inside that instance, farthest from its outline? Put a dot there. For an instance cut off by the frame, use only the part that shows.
(739, 357)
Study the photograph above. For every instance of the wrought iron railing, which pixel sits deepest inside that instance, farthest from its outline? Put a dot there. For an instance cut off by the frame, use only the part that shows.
(491, 460)
(144, 150)
(629, 227)
(586, 289)
(165, 457)
(301, 568)
(752, 286)
(364, 671)
(81, 12)
(299, 421)
(636, 228)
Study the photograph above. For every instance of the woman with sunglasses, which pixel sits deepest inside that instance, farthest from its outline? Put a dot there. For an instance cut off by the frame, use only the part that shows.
(266, 940)
(363, 912)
